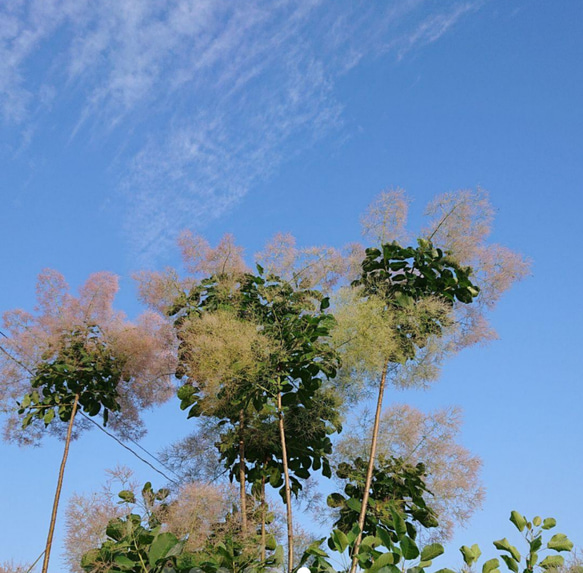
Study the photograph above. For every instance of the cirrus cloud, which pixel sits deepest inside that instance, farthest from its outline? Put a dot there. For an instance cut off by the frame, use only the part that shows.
(205, 98)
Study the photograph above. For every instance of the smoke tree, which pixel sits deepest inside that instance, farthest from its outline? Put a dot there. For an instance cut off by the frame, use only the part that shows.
(269, 361)
(407, 433)
(408, 307)
(79, 355)
(87, 515)
(411, 290)
(254, 351)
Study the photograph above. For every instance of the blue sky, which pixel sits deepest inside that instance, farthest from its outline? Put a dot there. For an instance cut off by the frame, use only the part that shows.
(123, 122)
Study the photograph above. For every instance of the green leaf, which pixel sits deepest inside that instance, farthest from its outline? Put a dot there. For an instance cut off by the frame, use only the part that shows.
(275, 478)
(560, 542)
(518, 520)
(430, 552)
(399, 523)
(385, 538)
(289, 399)
(369, 540)
(354, 504)
(382, 561)
(340, 540)
(124, 562)
(372, 252)
(552, 561)
(278, 555)
(536, 544)
(467, 554)
(353, 533)
(48, 417)
(532, 559)
(476, 551)
(127, 496)
(335, 500)
(510, 563)
(315, 549)
(90, 558)
(504, 545)
(162, 494)
(176, 550)
(115, 529)
(549, 523)
(490, 565)
(537, 521)
(409, 548)
(161, 546)
(470, 554)
(270, 542)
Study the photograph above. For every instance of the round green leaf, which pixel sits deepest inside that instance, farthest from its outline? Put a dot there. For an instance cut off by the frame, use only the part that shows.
(409, 548)
(430, 552)
(490, 565)
(552, 561)
(560, 542)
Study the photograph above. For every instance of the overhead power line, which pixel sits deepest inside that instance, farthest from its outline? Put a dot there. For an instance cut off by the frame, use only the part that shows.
(114, 437)
(108, 433)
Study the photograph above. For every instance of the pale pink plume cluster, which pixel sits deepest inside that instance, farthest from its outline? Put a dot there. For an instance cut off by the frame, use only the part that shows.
(307, 267)
(192, 513)
(11, 567)
(87, 515)
(453, 472)
(385, 219)
(145, 348)
(200, 259)
(460, 223)
(160, 289)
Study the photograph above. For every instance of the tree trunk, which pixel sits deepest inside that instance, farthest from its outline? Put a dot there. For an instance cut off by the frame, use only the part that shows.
(59, 487)
(290, 530)
(243, 489)
(369, 472)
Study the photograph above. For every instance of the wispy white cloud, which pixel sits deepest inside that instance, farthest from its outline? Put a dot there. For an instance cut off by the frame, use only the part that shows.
(432, 28)
(220, 91)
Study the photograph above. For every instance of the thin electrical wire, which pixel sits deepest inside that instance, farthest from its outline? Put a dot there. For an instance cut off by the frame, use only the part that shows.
(154, 457)
(34, 564)
(114, 437)
(119, 441)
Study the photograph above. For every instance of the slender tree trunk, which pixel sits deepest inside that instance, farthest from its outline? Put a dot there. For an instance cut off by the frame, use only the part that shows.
(369, 472)
(243, 489)
(290, 528)
(263, 518)
(49, 544)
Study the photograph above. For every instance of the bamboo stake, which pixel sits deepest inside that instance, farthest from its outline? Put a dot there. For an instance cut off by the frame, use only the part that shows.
(49, 544)
(369, 472)
(290, 530)
(242, 483)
